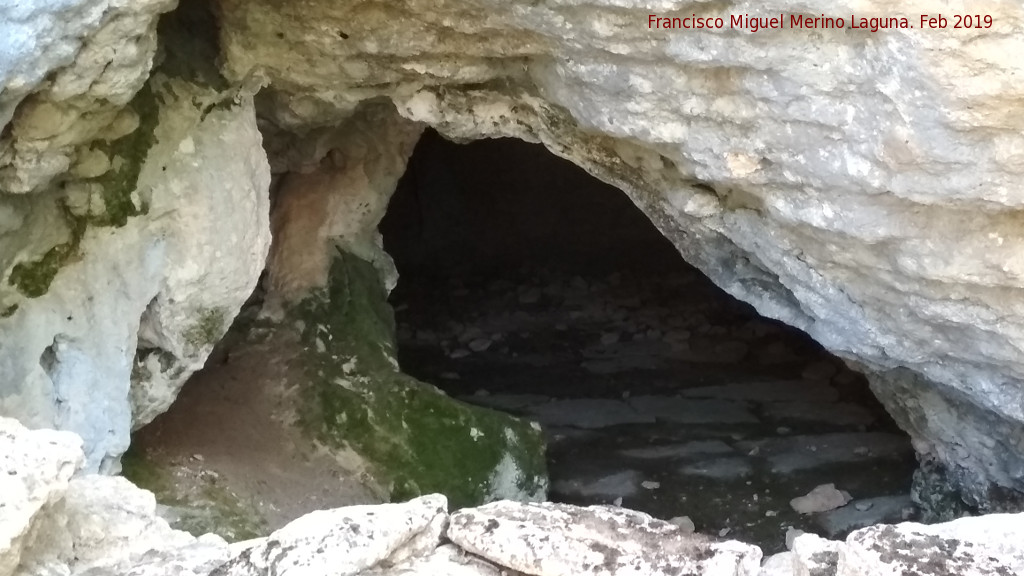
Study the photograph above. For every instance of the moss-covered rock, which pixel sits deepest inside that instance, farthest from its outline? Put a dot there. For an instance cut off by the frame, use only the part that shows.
(417, 439)
(197, 503)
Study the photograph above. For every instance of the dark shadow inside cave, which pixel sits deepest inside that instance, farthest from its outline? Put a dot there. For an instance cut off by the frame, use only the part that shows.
(528, 286)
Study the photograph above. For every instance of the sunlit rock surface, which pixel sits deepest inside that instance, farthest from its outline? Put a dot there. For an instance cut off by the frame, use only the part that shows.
(116, 286)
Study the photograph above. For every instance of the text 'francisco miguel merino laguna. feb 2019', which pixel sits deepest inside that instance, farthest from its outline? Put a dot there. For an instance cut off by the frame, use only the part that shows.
(820, 22)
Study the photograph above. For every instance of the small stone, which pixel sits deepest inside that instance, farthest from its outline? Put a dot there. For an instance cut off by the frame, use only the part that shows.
(470, 334)
(460, 353)
(791, 535)
(651, 484)
(724, 531)
(197, 457)
(822, 499)
(862, 451)
(771, 513)
(481, 393)
(617, 502)
(480, 344)
(783, 430)
(863, 506)
(684, 523)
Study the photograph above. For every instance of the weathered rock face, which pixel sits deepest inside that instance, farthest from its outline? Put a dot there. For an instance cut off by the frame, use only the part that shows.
(73, 65)
(118, 279)
(860, 186)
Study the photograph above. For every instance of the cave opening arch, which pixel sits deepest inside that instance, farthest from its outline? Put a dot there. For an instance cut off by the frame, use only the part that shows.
(675, 398)
(529, 286)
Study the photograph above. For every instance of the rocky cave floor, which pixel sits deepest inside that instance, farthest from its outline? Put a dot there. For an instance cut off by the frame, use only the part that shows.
(227, 458)
(660, 393)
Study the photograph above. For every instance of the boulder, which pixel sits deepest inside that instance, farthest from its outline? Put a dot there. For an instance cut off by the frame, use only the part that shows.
(345, 541)
(815, 556)
(53, 523)
(560, 539)
(35, 469)
(967, 547)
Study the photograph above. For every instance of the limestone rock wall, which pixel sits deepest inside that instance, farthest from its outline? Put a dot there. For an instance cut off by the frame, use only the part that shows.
(864, 187)
(66, 70)
(334, 190)
(118, 273)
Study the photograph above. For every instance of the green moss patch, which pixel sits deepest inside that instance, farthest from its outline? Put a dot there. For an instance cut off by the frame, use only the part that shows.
(33, 278)
(209, 326)
(127, 155)
(417, 439)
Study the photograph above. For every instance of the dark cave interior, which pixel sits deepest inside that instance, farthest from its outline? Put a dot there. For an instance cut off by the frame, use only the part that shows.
(528, 286)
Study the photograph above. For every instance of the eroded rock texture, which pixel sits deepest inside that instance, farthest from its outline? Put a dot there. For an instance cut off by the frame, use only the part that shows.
(120, 275)
(861, 186)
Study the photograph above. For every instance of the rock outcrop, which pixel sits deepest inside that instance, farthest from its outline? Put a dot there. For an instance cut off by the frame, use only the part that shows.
(53, 523)
(133, 218)
(415, 439)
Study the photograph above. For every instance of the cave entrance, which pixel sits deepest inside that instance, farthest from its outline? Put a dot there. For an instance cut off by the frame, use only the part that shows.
(530, 287)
